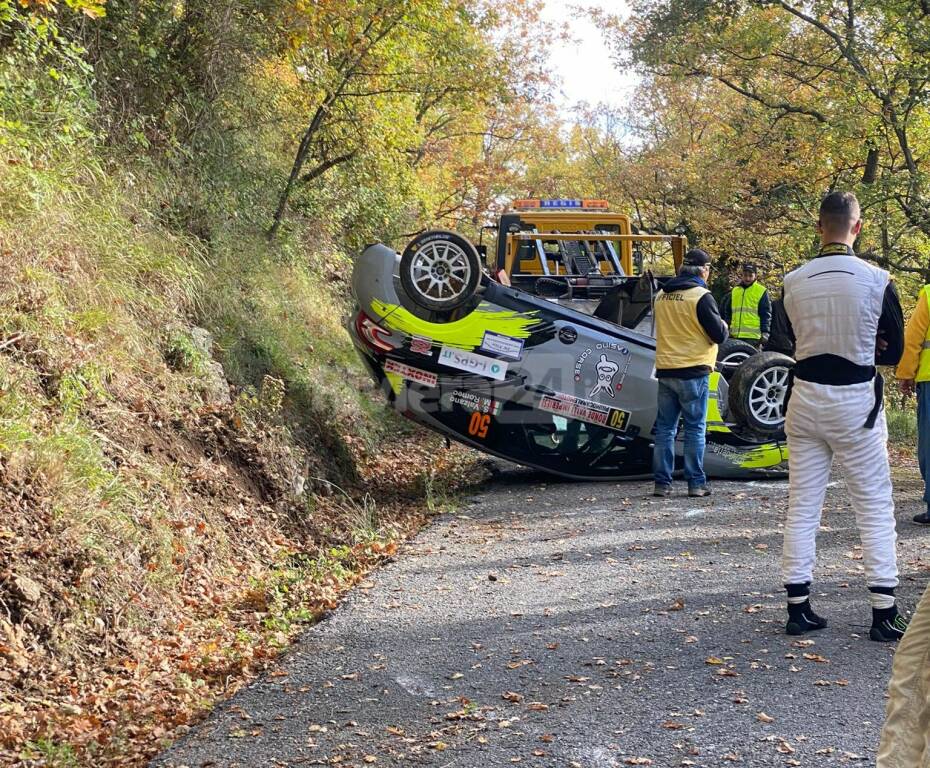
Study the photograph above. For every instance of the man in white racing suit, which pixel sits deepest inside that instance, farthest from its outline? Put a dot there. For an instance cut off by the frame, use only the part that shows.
(845, 317)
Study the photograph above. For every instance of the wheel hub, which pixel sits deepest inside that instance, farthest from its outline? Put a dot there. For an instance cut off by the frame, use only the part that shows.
(440, 270)
(767, 396)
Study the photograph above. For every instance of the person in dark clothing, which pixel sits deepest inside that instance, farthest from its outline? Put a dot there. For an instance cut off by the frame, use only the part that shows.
(747, 309)
(688, 330)
(780, 338)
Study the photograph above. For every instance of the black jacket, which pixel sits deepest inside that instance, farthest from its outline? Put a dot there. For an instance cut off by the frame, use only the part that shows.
(708, 316)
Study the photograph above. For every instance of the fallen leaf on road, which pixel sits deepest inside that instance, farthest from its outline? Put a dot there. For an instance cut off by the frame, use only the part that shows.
(713, 660)
(516, 698)
(764, 718)
(671, 725)
(816, 657)
(784, 747)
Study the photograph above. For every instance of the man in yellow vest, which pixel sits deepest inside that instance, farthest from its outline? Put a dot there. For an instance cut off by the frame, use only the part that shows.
(688, 330)
(914, 373)
(748, 309)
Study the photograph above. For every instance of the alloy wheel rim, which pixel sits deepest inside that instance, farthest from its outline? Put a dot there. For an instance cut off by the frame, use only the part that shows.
(734, 359)
(440, 271)
(767, 395)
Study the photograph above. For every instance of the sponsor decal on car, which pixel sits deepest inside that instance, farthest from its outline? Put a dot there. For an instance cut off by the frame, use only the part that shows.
(568, 335)
(475, 403)
(506, 346)
(606, 367)
(473, 363)
(410, 373)
(725, 451)
(421, 345)
(586, 410)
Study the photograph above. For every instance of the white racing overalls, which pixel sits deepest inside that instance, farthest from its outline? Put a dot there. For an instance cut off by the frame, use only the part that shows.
(825, 422)
(834, 303)
(906, 734)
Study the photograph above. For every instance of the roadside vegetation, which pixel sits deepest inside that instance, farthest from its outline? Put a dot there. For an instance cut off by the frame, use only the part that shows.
(192, 463)
(189, 452)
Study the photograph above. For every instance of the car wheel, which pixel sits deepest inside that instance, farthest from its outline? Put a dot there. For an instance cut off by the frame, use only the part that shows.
(757, 392)
(732, 354)
(440, 270)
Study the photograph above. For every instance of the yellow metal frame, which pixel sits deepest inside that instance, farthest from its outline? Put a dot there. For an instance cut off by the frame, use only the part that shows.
(679, 244)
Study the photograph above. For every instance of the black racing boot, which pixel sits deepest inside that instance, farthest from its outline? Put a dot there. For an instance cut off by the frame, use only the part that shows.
(802, 619)
(888, 625)
(923, 518)
(801, 616)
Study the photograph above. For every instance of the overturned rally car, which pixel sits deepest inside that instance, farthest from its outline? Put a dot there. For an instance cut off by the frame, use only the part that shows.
(547, 356)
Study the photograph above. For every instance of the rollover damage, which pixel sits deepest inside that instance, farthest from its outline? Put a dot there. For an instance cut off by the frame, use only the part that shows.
(556, 370)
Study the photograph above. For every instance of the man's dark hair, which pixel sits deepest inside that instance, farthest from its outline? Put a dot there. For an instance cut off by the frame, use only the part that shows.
(838, 211)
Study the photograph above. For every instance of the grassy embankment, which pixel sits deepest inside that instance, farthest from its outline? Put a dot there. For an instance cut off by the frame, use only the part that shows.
(157, 546)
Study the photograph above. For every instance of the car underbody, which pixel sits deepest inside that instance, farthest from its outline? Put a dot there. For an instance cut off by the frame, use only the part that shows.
(557, 378)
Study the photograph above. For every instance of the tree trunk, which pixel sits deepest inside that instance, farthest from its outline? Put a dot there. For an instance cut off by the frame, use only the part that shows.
(302, 151)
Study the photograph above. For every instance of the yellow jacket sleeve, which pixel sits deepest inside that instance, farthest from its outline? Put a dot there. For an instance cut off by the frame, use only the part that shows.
(915, 332)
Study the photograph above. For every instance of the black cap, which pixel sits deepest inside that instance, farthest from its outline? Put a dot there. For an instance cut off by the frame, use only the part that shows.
(696, 258)
(747, 267)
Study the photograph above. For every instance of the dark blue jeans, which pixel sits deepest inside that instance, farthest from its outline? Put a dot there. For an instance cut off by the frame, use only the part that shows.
(923, 434)
(686, 398)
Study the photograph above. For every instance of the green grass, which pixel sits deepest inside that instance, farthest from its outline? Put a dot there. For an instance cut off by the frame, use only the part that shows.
(902, 426)
(51, 754)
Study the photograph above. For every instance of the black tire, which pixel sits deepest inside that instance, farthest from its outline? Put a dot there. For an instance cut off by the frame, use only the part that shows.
(757, 393)
(440, 270)
(732, 354)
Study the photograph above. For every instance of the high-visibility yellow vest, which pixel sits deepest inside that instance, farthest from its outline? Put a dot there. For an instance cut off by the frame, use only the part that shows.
(923, 365)
(681, 341)
(744, 309)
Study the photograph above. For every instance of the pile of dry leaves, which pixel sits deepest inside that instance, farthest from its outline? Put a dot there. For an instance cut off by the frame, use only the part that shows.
(105, 655)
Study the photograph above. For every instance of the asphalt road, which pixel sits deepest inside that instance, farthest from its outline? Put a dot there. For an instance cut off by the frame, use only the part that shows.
(561, 624)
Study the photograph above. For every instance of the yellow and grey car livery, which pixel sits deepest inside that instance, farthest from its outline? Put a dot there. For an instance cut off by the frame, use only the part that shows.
(465, 333)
